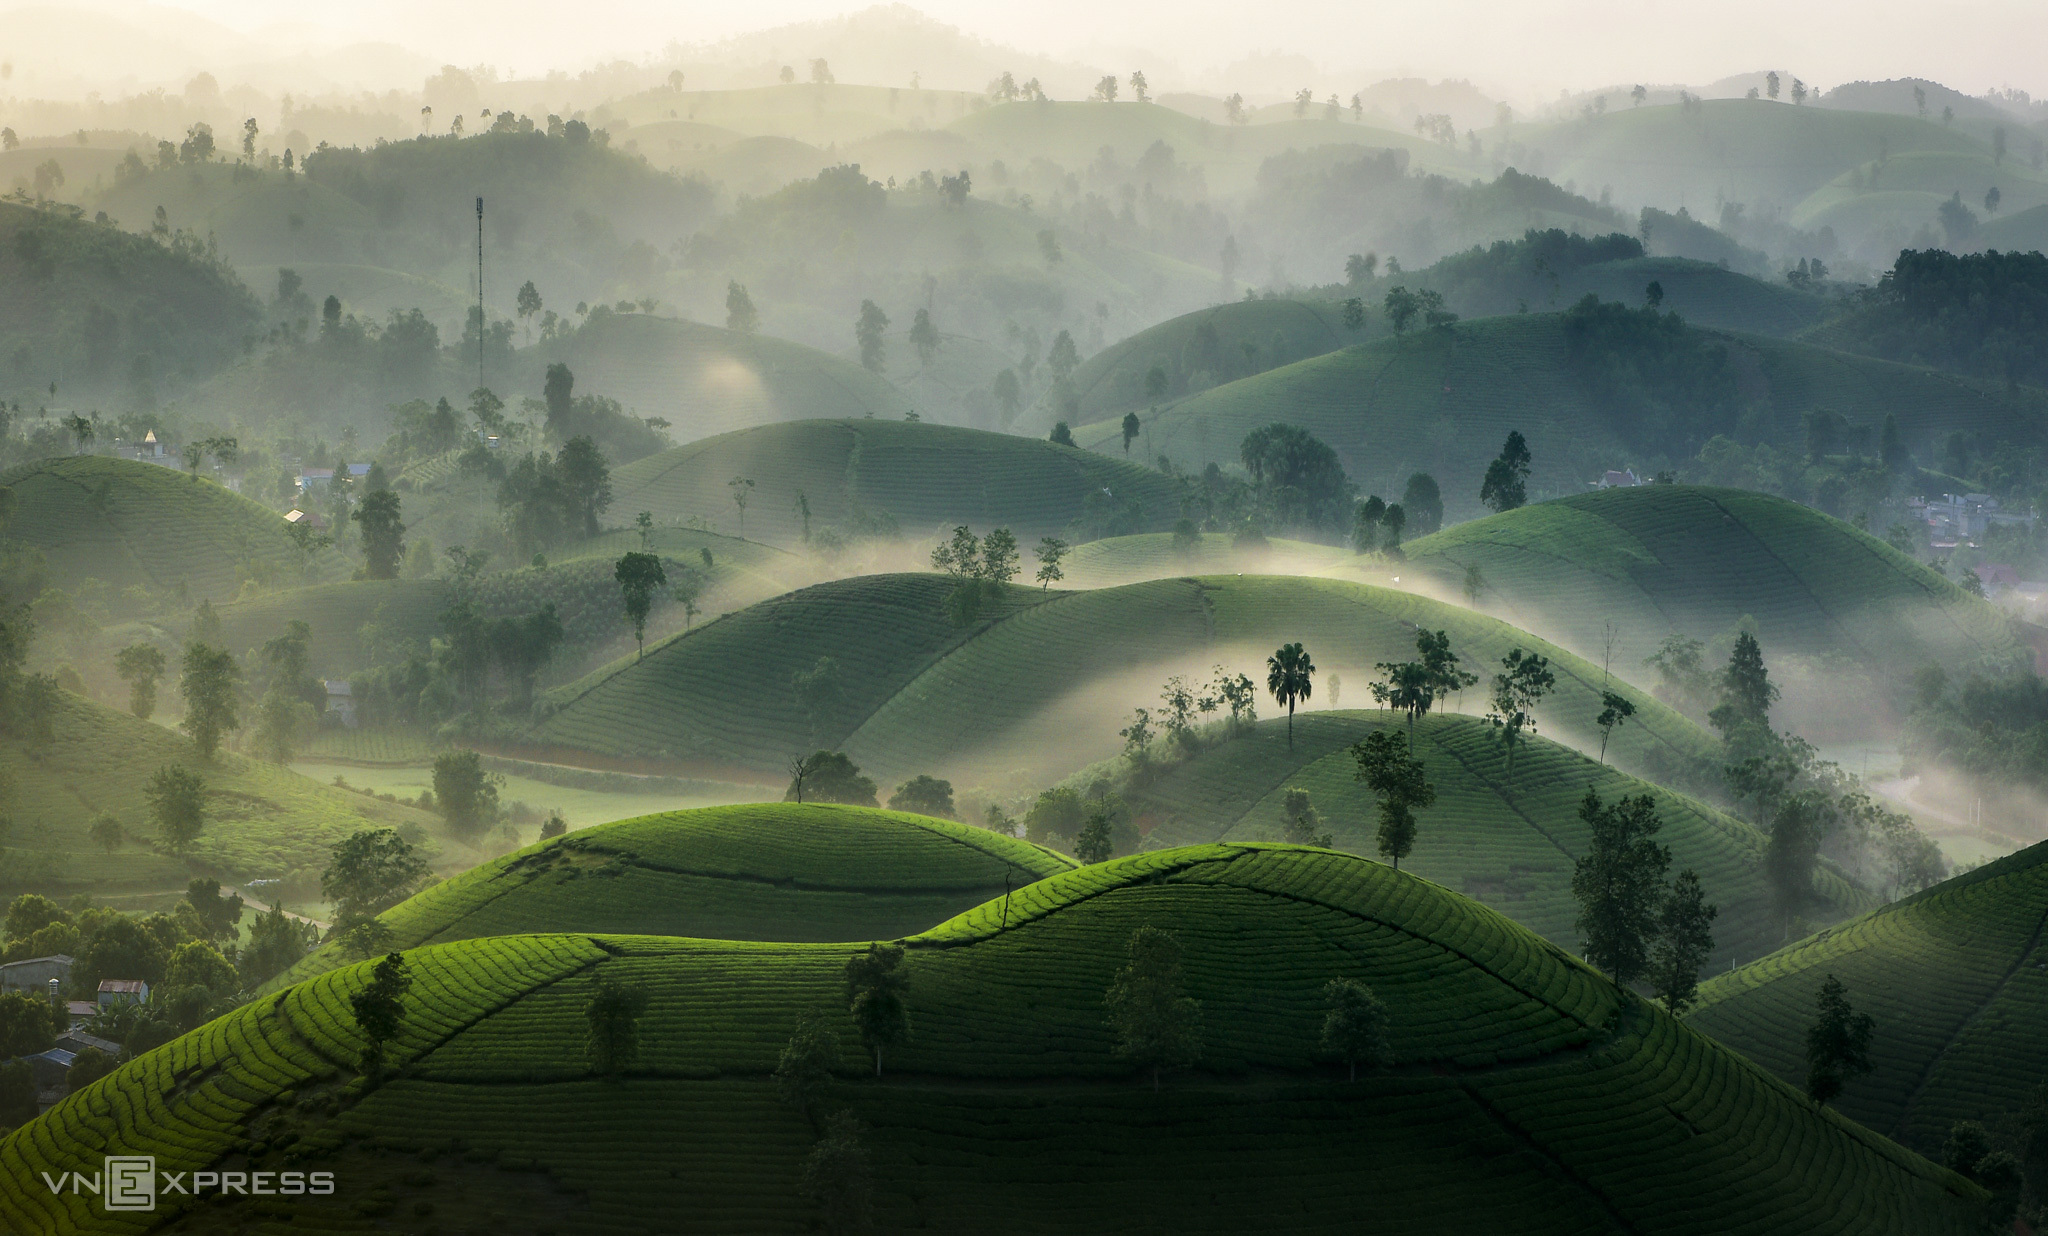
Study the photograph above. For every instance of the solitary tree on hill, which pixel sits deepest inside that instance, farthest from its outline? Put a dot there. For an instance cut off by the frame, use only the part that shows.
(1388, 767)
(466, 794)
(1619, 883)
(1506, 485)
(1302, 823)
(1685, 939)
(1524, 680)
(1131, 429)
(1355, 1027)
(1837, 1044)
(1049, 552)
(613, 1018)
(141, 666)
(867, 332)
(875, 984)
(1747, 691)
(368, 873)
(803, 1072)
(379, 1008)
(924, 337)
(208, 684)
(740, 314)
(1158, 1027)
(177, 802)
(639, 576)
(1289, 676)
(1614, 709)
(1401, 306)
(383, 534)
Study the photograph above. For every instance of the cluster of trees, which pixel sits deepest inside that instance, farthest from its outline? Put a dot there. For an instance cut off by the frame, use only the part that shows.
(1976, 313)
(1994, 728)
(1182, 707)
(1378, 526)
(1662, 387)
(1633, 925)
(475, 663)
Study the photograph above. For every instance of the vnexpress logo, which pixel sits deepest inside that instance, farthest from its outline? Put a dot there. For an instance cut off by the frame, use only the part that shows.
(131, 1182)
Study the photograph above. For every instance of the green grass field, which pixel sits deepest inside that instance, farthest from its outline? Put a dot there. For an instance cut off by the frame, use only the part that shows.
(1523, 1092)
(766, 871)
(925, 477)
(129, 524)
(1506, 841)
(1659, 559)
(1153, 555)
(262, 821)
(1956, 979)
(1442, 401)
(1038, 691)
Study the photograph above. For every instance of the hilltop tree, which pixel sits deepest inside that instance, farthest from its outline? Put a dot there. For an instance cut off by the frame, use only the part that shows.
(867, 332)
(1388, 767)
(141, 666)
(1618, 883)
(106, 831)
(1653, 294)
(639, 575)
(466, 794)
(1365, 524)
(1139, 87)
(1837, 1044)
(1524, 680)
(924, 337)
(1157, 1026)
(1506, 484)
(276, 942)
(1614, 709)
(1301, 822)
(875, 986)
(1105, 90)
(830, 777)
(1394, 520)
(1354, 314)
(1685, 939)
(1131, 429)
(1401, 306)
(1290, 678)
(613, 1019)
(740, 314)
(1355, 1027)
(177, 802)
(1049, 553)
(924, 794)
(208, 684)
(1094, 843)
(383, 535)
(379, 1008)
(1747, 691)
(1061, 435)
(803, 1071)
(527, 302)
(1423, 502)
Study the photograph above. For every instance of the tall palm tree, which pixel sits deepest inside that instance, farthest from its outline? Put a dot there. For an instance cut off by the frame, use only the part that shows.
(1288, 672)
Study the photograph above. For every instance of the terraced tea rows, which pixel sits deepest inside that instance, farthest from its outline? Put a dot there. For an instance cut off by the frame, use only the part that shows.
(1506, 841)
(1522, 1091)
(925, 477)
(1957, 980)
(1659, 559)
(762, 872)
(128, 524)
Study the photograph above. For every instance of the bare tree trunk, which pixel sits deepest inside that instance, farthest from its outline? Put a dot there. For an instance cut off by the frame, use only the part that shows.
(878, 1060)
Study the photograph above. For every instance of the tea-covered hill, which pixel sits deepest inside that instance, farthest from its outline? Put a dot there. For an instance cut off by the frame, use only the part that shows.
(1522, 1091)
(781, 871)
(1955, 979)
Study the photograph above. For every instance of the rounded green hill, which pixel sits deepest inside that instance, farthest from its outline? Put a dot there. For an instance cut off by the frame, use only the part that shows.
(923, 477)
(1443, 400)
(128, 524)
(1508, 841)
(1522, 1091)
(1955, 978)
(768, 871)
(1661, 559)
(1038, 686)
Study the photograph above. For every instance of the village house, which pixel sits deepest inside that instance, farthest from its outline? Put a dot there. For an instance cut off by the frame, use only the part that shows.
(123, 991)
(33, 974)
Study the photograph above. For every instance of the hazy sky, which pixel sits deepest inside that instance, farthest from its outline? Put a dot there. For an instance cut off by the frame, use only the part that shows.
(1512, 47)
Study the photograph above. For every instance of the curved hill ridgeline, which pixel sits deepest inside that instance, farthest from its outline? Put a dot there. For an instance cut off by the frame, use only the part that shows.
(262, 821)
(129, 524)
(1659, 559)
(1156, 555)
(1443, 400)
(924, 477)
(1956, 979)
(707, 380)
(1509, 841)
(1034, 689)
(1523, 1091)
(769, 871)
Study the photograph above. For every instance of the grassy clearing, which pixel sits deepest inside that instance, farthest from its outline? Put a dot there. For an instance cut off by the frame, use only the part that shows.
(1659, 559)
(925, 477)
(262, 821)
(1524, 1091)
(766, 871)
(1508, 842)
(1154, 555)
(129, 524)
(1957, 980)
